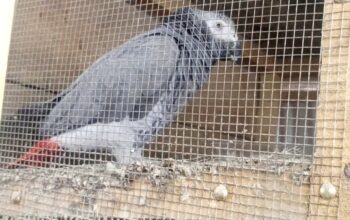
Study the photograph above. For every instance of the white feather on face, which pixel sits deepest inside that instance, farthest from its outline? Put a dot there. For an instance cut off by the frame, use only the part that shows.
(221, 29)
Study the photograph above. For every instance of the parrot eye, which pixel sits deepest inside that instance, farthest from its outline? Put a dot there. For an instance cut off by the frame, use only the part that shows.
(219, 25)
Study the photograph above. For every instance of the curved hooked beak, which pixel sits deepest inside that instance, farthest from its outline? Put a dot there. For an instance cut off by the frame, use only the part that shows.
(233, 52)
(236, 52)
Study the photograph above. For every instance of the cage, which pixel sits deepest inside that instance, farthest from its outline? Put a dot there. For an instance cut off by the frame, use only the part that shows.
(263, 138)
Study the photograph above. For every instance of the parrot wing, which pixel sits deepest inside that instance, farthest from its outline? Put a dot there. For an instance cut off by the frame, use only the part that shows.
(125, 82)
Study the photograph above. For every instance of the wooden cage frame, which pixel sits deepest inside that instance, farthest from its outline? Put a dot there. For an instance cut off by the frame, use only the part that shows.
(331, 158)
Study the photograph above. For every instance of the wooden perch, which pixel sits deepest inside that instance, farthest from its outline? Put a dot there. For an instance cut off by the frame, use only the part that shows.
(167, 190)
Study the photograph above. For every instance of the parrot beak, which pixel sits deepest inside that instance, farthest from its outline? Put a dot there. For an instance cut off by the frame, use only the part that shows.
(236, 53)
(235, 59)
(40, 155)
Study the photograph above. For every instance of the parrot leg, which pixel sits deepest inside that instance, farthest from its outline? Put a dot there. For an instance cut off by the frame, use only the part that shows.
(40, 155)
(127, 154)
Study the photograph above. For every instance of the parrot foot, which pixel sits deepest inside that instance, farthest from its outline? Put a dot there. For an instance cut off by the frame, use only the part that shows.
(124, 155)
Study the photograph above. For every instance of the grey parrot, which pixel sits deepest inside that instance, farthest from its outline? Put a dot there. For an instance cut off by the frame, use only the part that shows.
(133, 92)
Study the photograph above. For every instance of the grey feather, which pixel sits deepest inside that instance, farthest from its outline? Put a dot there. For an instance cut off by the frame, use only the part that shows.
(116, 84)
(150, 77)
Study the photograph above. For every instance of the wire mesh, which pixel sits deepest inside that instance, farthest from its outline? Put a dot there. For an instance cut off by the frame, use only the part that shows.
(238, 146)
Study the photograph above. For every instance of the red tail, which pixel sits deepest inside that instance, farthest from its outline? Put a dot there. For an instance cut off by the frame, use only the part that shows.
(40, 155)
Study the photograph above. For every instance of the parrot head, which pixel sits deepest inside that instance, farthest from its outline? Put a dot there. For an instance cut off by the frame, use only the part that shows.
(217, 31)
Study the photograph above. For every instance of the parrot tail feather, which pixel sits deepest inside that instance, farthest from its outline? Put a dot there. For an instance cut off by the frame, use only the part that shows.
(40, 155)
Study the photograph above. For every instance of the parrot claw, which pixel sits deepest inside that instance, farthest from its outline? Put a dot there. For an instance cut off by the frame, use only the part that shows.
(40, 155)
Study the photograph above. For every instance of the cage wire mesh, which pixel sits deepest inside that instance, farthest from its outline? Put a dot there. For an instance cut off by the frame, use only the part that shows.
(241, 148)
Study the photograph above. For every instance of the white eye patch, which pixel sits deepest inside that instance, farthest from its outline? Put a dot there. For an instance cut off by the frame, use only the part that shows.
(222, 30)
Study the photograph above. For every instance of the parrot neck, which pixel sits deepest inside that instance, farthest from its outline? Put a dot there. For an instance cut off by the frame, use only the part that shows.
(195, 61)
(195, 36)
(196, 56)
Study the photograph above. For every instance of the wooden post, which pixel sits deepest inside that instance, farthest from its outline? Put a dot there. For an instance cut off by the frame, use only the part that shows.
(340, 39)
(6, 16)
(333, 137)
